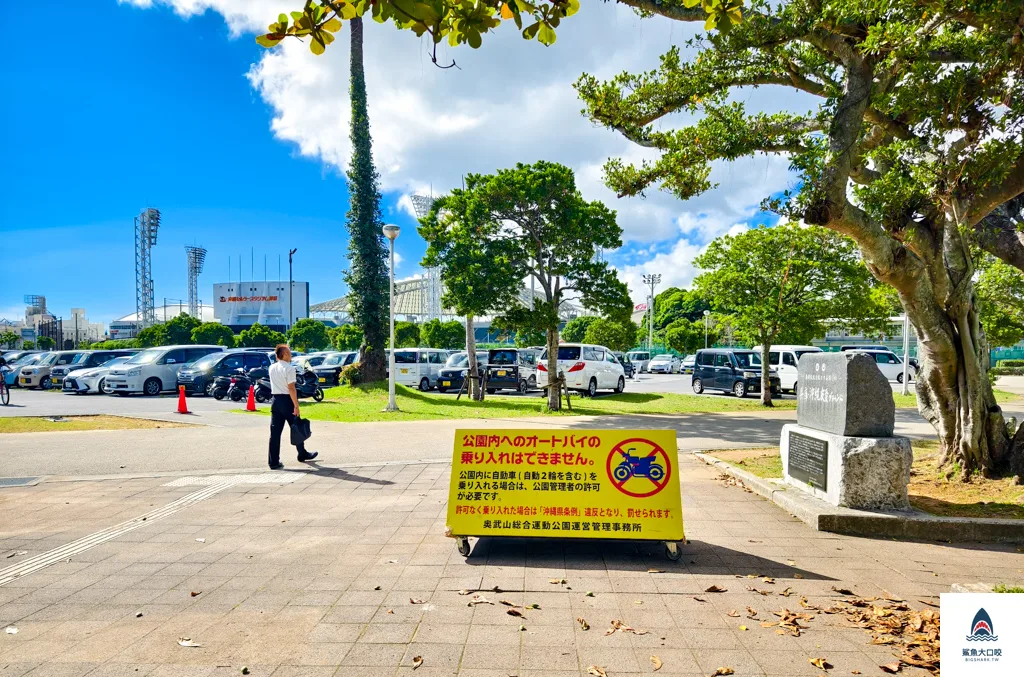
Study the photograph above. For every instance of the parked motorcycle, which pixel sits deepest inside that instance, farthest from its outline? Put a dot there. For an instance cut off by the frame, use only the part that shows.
(239, 388)
(220, 386)
(307, 385)
(262, 387)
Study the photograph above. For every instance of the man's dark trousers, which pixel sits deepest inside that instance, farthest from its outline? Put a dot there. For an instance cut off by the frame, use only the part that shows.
(282, 411)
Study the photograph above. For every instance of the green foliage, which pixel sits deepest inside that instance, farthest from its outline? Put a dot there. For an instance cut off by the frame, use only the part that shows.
(1006, 371)
(1010, 363)
(178, 330)
(9, 338)
(367, 274)
(619, 336)
(1001, 302)
(345, 337)
(350, 375)
(152, 336)
(45, 343)
(260, 336)
(576, 328)
(526, 337)
(687, 336)
(674, 304)
(308, 334)
(407, 334)
(116, 344)
(449, 335)
(28, 345)
(455, 22)
(213, 333)
(1003, 588)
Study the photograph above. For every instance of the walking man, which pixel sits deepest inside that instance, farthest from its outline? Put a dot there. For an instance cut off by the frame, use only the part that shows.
(285, 406)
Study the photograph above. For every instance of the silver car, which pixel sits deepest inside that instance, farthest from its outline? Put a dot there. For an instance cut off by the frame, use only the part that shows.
(664, 364)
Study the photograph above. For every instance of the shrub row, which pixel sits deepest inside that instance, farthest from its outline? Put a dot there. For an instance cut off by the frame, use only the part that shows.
(1007, 371)
(1010, 363)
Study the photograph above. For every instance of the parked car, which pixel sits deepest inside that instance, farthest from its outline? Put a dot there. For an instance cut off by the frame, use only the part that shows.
(510, 369)
(155, 370)
(14, 368)
(57, 371)
(419, 367)
(736, 371)
(640, 359)
(312, 360)
(87, 359)
(587, 367)
(784, 359)
(94, 380)
(38, 375)
(627, 366)
(686, 366)
(329, 371)
(199, 375)
(455, 368)
(890, 364)
(846, 348)
(13, 356)
(664, 364)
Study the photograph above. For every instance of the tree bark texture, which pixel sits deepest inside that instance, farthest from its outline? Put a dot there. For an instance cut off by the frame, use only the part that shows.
(476, 390)
(766, 383)
(554, 393)
(367, 276)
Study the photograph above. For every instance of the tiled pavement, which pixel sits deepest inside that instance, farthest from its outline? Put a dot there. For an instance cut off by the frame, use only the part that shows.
(315, 577)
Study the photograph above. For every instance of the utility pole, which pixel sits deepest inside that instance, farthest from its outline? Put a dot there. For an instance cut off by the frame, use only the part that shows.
(291, 253)
(651, 281)
(906, 350)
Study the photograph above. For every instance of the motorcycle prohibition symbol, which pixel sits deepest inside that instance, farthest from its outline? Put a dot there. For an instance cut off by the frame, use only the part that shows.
(638, 466)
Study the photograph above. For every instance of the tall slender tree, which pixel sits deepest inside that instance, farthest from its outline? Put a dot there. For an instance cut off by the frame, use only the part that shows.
(367, 275)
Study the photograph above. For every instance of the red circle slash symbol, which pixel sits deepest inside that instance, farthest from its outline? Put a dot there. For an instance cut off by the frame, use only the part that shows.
(642, 459)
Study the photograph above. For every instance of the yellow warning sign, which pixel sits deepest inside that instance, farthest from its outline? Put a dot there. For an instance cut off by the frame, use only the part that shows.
(566, 484)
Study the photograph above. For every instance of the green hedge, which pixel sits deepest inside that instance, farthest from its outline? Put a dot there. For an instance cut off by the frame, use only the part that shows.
(1010, 363)
(1007, 371)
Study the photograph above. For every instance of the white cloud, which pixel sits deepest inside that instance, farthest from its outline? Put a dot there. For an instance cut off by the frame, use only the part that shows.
(510, 101)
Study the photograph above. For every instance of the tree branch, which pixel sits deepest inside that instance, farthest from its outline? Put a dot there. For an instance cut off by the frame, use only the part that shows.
(985, 202)
(1001, 233)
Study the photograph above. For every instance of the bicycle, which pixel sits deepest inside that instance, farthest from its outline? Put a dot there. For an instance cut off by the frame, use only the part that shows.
(5, 391)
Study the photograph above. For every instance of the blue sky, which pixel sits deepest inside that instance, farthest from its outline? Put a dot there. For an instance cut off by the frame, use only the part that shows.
(174, 106)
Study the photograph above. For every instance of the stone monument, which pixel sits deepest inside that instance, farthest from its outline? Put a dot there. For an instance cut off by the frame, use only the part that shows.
(842, 449)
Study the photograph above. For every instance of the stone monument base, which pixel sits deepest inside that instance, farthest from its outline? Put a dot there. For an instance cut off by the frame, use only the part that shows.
(867, 473)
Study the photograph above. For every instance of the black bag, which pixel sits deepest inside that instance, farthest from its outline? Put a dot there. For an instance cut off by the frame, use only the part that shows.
(300, 431)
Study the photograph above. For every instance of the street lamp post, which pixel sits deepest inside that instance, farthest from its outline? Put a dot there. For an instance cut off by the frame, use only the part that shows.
(391, 232)
(290, 314)
(707, 316)
(906, 350)
(651, 281)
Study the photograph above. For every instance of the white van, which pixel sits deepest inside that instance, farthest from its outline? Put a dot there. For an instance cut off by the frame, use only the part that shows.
(587, 367)
(419, 367)
(154, 370)
(641, 359)
(890, 364)
(783, 359)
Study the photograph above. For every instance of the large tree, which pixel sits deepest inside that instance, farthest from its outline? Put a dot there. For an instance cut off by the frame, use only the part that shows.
(786, 284)
(178, 330)
(576, 328)
(308, 334)
(1001, 296)
(450, 335)
(346, 337)
(914, 150)
(214, 333)
(615, 335)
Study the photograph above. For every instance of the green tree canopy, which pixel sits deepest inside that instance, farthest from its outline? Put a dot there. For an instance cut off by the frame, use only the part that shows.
(576, 328)
(308, 334)
(45, 343)
(687, 336)
(152, 336)
(450, 335)
(1001, 302)
(213, 333)
(407, 334)
(178, 330)
(9, 339)
(345, 337)
(786, 284)
(675, 303)
(260, 336)
(28, 345)
(616, 335)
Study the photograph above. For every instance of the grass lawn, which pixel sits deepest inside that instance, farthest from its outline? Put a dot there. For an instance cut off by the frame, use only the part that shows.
(38, 424)
(929, 489)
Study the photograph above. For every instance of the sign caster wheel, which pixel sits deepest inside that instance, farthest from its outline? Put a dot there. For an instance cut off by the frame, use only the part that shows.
(672, 551)
(462, 543)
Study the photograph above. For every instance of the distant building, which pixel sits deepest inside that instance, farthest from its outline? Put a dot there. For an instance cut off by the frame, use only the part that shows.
(239, 305)
(129, 326)
(891, 338)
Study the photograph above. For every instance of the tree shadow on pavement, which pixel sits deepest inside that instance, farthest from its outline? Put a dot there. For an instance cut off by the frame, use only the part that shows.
(315, 469)
(720, 426)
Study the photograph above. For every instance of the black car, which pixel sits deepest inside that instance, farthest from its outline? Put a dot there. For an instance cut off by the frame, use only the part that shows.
(508, 369)
(736, 371)
(198, 376)
(453, 373)
(328, 373)
(87, 359)
(627, 365)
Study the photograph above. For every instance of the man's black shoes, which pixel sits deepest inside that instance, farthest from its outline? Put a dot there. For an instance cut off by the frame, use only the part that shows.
(309, 456)
(279, 466)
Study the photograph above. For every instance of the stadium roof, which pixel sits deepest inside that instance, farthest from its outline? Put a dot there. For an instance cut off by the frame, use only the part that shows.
(172, 310)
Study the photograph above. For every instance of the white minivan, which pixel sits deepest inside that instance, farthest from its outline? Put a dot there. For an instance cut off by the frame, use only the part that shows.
(419, 367)
(587, 367)
(783, 359)
(890, 364)
(154, 370)
(641, 359)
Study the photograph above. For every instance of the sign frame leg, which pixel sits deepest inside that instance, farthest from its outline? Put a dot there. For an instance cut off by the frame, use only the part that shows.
(672, 551)
(462, 544)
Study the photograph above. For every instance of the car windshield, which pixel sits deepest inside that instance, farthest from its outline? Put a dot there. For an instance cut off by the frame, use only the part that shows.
(333, 359)
(206, 361)
(568, 352)
(747, 359)
(48, 359)
(662, 358)
(26, 359)
(146, 356)
(79, 358)
(116, 361)
(405, 357)
(801, 353)
(457, 360)
(501, 357)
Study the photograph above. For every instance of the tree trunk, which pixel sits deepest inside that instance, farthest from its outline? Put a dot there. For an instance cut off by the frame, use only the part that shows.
(554, 393)
(766, 383)
(475, 390)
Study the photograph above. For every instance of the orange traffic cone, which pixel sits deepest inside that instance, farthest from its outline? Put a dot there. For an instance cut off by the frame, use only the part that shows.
(182, 406)
(251, 404)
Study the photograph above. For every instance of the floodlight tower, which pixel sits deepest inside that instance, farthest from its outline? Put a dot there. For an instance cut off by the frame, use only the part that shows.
(196, 257)
(423, 204)
(147, 223)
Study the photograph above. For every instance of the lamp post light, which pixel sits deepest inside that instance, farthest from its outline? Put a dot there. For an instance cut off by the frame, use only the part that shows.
(651, 281)
(707, 316)
(291, 315)
(906, 351)
(391, 232)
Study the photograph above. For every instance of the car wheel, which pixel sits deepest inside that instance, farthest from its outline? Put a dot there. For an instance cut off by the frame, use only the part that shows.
(441, 389)
(152, 387)
(318, 394)
(739, 389)
(424, 384)
(208, 390)
(794, 390)
(523, 387)
(621, 385)
(101, 387)
(698, 386)
(592, 388)
(44, 383)
(532, 382)
(490, 391)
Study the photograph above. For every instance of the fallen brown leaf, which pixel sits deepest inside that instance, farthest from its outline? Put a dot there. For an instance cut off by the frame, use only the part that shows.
(763, 593)
(514, 612)
(854, 672)
(656, 663)
(715, 588)
(932, 604)
(891, 668)
(508, 603)
(187, 641)
(751, 612)
(768, 579)
(416, 601)
(655, 571)
(465, 592)
(558, 581)
(417, 661)
(700, 599)
(195, 593)
(594, 670)
(723, 671)
(391, 611)
(842, 591)
(820, 663)
(787, 592)
(479, 599)
(583, 623)
(734, 613)
(376, 587)
(798, 575)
